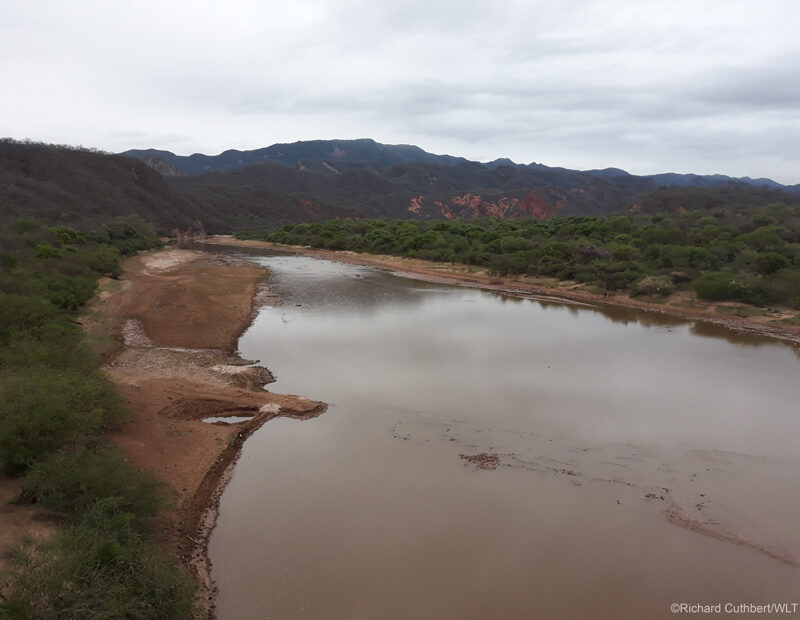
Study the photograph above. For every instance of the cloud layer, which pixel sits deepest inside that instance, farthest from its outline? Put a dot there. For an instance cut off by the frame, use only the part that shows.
(649, 87)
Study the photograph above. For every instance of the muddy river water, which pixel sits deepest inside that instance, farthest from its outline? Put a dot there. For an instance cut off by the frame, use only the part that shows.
(488, 456)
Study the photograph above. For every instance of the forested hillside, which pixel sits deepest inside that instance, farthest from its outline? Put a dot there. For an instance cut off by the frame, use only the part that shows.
(83, 188)
(63, 185)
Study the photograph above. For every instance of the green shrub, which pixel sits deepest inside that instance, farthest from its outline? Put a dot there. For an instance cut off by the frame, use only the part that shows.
(654, 285)
(72, 481)
(23, 225)
(46, 409)
(724, 285)
(98, 568)
(45, 251)
(504, 264)
(753, 291)
(8, 260)
(770, 262)
(620, 278)
(23, 314)
(67, 292)
(56, 343)
(716, 286)
(67, 235)
(783, 286)
(105, 261)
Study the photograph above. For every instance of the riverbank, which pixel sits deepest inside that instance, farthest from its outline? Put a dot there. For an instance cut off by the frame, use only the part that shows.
(780, 323)
(168, 330)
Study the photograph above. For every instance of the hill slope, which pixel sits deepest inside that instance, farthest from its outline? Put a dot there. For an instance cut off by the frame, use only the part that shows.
(339, 152)
(418, 190)
(61, 184)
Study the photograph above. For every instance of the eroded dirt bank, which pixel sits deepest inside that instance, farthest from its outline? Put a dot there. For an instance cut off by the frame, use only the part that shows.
(168, 329)
(780, 323)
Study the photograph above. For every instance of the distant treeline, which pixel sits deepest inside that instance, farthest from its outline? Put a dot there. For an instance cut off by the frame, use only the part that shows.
(745, 255)
(55, 406)
(54, 147)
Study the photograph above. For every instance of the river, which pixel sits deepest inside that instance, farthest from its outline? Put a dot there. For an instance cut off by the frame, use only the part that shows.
(491, 456)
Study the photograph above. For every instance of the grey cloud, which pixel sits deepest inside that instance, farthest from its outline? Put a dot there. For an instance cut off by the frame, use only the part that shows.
(645, 86)
(765, 87)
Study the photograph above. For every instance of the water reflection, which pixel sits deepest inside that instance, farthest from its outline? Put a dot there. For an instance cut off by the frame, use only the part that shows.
(710, 330)
(601, 419)
(627, 316)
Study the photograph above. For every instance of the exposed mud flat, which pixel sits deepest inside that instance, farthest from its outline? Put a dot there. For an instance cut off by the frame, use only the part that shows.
(175, 316)
(482, 460)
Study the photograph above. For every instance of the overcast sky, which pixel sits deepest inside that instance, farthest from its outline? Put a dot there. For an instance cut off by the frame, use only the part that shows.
(704, 86)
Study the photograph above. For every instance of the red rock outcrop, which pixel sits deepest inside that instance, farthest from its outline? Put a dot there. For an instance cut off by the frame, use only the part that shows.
(474, 205)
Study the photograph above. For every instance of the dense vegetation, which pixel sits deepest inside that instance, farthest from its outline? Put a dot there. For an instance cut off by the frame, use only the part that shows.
(743, 255)
(55, 405)
(59, 185)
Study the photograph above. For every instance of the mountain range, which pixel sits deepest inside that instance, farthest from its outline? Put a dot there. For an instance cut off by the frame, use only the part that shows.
(365, 151)
(323, 179)
(380, 180)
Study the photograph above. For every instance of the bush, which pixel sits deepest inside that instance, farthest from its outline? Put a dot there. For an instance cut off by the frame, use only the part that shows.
(716, 286)
(72, 481)
(620, 279)
(783, 286)
(8, 260)
(723, 285)
(66, 292)
(21, 314)
(23, 225)
(505, 264)
(47, 251)
(654, 285)
(770, 262)
(57, 344)
(98, 568)
(47, 409)
(753, 291)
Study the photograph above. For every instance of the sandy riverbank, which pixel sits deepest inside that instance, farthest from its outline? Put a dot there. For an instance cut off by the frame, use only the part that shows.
(770, 322)
(168, 329)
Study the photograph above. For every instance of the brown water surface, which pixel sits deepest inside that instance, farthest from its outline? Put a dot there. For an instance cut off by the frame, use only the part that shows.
(631, 460)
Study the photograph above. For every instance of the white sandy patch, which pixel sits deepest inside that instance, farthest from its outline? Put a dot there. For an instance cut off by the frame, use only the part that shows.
(230, 369)
(134, 335)
(167, 259)
(269, 408)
